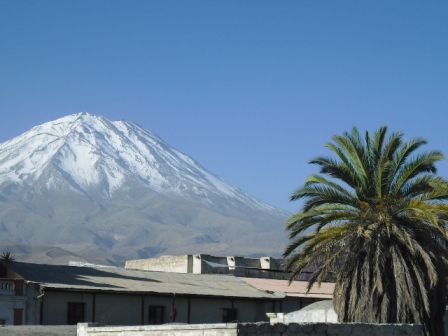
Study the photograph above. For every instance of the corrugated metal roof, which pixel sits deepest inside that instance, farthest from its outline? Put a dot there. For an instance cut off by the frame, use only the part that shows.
(122, 280)
(295, 289)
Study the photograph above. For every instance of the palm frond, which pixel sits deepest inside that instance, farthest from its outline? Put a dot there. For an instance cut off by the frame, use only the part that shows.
(375, 218)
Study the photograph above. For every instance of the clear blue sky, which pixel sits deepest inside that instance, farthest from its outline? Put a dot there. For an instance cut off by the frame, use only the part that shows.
(250, 89)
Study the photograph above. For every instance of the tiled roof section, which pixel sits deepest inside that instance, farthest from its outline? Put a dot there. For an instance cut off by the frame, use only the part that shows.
(296, 289)
(127, 281)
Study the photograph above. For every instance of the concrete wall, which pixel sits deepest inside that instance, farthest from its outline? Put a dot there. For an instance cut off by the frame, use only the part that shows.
(291, 304)
(8, 299)
(180, 303)
(206, 264)
(33, 304)
(248, 311)
(123, 309)
(202, 310)
(239, 266)
(256, 329)
(38, 331)
(118, 309)
(27, 302)
(176, 264)
(112, 309)
(7, 306)
(163, 330)
(55, 305)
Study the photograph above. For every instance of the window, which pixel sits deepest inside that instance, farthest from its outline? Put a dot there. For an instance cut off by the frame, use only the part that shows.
(5, 286)
(229, 315)
(75, 312)
(155, 314)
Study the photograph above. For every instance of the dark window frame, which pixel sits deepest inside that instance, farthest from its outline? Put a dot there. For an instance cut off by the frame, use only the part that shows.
(229, 315)
(153, 317)
(76, 312)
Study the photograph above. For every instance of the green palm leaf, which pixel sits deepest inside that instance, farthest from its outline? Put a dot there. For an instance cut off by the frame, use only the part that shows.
(375, 220)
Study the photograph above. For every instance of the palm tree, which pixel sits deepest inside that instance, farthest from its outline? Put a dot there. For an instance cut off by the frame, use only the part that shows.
(7, 257)
(374, 220)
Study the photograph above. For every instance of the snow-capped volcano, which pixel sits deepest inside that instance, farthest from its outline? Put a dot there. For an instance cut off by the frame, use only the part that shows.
(113, 166)
(91, 151)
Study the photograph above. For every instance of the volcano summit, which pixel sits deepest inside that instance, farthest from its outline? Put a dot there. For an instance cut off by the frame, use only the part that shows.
(85, 188)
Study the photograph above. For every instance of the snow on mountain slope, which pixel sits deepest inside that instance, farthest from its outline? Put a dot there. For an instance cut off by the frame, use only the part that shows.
(103, 191)
(91, 151)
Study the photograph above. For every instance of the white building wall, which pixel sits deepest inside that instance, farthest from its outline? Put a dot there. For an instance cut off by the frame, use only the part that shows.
(32, 304)
(175, 264)
(252, 329)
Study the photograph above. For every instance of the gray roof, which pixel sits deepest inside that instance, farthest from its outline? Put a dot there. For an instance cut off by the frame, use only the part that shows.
(127, 281)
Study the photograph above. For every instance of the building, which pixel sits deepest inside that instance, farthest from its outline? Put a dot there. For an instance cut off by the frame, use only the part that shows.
(181, 291)
(263, 267)
(53, 294)
(296, 293)
(12, 299)
(265, 273)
